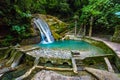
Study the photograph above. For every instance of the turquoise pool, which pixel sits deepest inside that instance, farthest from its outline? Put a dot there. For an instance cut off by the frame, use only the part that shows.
(72, 45)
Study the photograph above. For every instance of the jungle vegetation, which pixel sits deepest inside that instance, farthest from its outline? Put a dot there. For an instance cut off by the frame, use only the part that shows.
(95, 16)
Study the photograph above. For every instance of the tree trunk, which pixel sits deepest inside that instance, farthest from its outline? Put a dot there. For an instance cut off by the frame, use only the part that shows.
(75, 27)
(80, 30)
(84, 33)
(116, 35)
(91, 24)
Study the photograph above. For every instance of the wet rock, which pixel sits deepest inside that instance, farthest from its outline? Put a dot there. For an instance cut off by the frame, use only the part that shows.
(51, 75)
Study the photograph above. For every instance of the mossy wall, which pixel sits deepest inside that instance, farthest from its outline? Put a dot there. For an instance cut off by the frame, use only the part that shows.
(95, 62)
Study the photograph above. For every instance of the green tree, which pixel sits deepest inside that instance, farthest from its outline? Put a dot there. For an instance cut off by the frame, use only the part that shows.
(108, 19)
(93, 10)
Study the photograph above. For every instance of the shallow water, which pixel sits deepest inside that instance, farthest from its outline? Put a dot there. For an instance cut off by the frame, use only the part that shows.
(72, 45)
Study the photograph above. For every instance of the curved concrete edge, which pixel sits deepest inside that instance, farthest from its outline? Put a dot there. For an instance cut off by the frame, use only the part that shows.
(114, 46)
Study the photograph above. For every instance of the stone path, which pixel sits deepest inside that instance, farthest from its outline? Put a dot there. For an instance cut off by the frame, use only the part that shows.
(51, 75)
(114, 46)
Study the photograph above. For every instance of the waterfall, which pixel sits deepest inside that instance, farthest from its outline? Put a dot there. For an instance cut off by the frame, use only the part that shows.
(46, 36)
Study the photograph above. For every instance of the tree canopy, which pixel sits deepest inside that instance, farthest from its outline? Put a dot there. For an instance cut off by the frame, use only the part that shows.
(98, 14)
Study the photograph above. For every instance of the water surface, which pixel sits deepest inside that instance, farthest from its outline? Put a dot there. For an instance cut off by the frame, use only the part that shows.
(73, 45)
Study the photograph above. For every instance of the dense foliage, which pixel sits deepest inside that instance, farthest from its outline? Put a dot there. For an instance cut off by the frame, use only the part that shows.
(93, 15)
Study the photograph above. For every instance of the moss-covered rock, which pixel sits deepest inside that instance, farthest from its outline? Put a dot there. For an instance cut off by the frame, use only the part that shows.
(56, 36)
(116, 36)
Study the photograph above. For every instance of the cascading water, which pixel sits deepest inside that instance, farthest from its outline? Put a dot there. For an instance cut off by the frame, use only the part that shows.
(44, 30)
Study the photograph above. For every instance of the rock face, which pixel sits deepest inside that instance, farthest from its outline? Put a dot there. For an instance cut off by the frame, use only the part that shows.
(51, 75)
(32, 40)
(34, 37)
(57, 27)
(116, 36)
